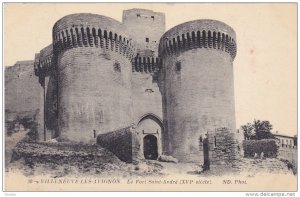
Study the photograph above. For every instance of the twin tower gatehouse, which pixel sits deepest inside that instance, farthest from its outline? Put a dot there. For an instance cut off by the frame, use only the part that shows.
(145, 90)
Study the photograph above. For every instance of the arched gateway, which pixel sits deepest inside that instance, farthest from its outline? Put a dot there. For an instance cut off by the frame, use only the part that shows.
(150, 128)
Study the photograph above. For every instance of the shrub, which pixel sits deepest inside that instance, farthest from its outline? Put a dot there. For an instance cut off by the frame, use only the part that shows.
(267, 146)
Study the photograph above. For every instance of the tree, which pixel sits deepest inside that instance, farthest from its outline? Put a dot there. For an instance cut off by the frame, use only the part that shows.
(262, 130)
(248, 131)
(258, 130)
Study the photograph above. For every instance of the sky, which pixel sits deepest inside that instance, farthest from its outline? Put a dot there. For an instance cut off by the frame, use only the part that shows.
(265, 68)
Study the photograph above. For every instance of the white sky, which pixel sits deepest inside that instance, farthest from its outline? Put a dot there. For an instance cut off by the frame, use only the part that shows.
(265, 68)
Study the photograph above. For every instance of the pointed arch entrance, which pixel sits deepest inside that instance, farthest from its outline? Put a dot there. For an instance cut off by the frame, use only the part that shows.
(150, 129)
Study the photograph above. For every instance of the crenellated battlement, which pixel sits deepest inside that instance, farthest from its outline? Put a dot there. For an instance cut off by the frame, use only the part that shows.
(208, 34)
(43, 63)
(99, 74)
(146, 64)
(91, 30)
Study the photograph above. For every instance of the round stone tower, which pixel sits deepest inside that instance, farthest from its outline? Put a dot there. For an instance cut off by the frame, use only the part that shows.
(196, 81)
(92, 54)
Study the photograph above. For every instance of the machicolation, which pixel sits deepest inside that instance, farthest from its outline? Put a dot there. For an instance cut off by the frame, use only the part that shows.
(209, 34)
(133, 84)
(91, 30)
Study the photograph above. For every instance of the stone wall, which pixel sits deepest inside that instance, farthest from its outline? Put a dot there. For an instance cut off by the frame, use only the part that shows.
(199, 97)
(146, 96)
(82, 156)
(289, 153)
(123, 143)
(93, 95)
(23, 93)
(146, 27)
(21, 87)
(224, 149)
(98, 86)
(196, 81)
(94, 76)
(51, 113)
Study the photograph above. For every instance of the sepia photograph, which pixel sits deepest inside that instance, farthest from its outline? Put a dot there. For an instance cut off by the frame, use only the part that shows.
(150, 97)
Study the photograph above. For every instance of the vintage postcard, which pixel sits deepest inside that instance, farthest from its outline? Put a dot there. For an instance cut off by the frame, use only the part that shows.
(150, 97)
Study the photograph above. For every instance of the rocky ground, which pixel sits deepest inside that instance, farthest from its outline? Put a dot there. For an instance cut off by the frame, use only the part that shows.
(267, 165)
(149, 168)
(10, 143)
(53, 160)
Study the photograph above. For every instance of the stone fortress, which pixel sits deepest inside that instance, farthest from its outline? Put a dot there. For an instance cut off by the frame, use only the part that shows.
(137, 90)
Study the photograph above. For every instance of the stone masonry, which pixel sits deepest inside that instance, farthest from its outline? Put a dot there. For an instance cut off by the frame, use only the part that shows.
(223, 147)
(196, 81)
(99, 76)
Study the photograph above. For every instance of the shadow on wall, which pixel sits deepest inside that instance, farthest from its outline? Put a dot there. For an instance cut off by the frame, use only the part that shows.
(119, 142)
(130, 145)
